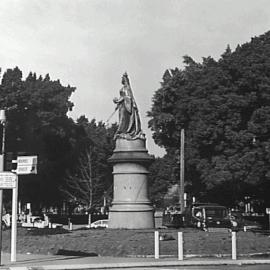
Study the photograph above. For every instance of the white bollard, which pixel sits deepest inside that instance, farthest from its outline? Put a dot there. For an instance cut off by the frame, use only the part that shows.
(69, 225)
(180, 246)
(234, 257)
(89, 220)
(156, 245)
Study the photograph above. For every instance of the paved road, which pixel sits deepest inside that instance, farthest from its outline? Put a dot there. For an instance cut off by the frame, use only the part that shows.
(57, 262)
(221, 267)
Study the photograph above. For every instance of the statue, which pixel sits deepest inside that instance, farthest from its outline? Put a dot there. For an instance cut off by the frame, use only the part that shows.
(131, 207)
(129, 120)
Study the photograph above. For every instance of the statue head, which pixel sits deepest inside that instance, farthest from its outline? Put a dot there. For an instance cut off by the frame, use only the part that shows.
(125, 80)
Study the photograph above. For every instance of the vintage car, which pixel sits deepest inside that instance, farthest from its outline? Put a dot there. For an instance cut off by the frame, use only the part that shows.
(204, 216)
(103, 223)
(211, 217)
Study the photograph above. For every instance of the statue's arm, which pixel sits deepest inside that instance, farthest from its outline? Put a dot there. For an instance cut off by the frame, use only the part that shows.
(118, 100)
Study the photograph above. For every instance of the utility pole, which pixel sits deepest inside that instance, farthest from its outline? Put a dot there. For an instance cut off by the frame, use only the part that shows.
(182, 170)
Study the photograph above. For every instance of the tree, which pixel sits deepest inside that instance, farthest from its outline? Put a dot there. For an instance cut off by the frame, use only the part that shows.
(81, 185)
(161, 177)
(91, 175)
(38, 124)
(222, 105)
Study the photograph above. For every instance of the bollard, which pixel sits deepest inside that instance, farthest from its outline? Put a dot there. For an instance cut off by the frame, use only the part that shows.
(69, 225)
(234, 257)
(180, 246)
(156, 245)
(89, 220)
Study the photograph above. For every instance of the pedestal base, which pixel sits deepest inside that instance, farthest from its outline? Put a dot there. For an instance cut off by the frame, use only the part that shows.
(131, 219)
(131, 208)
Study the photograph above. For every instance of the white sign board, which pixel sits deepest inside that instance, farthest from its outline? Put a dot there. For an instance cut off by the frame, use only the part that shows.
(268, 211)
(26, 160)
(27, 169)
(7, 180)
(26, 165)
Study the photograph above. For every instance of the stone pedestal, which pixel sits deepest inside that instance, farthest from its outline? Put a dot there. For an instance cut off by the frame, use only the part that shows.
(131, 208)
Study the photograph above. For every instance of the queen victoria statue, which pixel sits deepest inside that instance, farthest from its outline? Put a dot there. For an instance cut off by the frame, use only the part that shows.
(131, 208)
(129, 119)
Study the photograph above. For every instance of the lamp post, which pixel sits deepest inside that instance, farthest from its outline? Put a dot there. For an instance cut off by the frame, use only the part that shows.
(3, 123)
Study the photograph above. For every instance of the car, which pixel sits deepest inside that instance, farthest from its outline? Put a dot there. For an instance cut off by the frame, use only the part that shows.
(204, 216)
(103, 223)
(211, 217)
(34, 221)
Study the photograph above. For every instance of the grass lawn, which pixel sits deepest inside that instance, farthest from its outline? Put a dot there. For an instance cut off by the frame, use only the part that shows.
(108, 242)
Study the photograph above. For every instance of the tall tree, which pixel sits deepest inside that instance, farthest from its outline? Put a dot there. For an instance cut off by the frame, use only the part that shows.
(161, 177)
(38, 124)
(223, 105)
(81, 186)
(90, 177)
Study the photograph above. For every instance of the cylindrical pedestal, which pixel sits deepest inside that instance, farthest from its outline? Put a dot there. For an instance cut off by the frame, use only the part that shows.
(131, 208)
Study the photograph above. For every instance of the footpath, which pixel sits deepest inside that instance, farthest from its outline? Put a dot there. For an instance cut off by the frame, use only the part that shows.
(58, 262)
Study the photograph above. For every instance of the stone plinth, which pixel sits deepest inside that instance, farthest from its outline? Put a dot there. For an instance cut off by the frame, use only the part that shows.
(131, 208)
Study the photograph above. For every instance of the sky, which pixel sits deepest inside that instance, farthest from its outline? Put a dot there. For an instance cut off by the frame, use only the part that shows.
(89, 44)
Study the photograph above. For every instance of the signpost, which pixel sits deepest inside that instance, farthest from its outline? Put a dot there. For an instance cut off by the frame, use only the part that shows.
(26, 165)
(14, 221)
(2, 155)
(9, 180)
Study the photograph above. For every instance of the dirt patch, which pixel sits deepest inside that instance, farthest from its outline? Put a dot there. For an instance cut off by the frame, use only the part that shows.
(133, 242)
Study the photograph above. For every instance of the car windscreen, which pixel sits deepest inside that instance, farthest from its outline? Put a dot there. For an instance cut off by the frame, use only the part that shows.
(216, 212)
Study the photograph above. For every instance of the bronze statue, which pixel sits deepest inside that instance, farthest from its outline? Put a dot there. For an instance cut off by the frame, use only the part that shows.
(129, 120)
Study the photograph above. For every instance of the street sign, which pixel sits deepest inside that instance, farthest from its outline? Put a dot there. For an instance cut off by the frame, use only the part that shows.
(267, 210)
(26, 160)
(27, 169)
(7, 180)
(26, 165)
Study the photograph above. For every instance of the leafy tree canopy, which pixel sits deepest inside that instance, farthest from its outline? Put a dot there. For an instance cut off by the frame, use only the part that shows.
(37, 124)
(90, 177)
(224, 107)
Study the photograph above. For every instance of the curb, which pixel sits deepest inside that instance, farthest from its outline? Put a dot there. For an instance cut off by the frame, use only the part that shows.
(199, 256)
(140, 264)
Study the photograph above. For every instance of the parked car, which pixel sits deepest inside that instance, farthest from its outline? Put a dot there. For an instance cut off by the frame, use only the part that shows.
(103, 223)
(211, 217)
(34, 222)
(204, 216)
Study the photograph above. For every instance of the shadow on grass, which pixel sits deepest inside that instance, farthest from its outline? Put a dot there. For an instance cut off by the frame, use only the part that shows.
(65, 252)
(46, 231)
